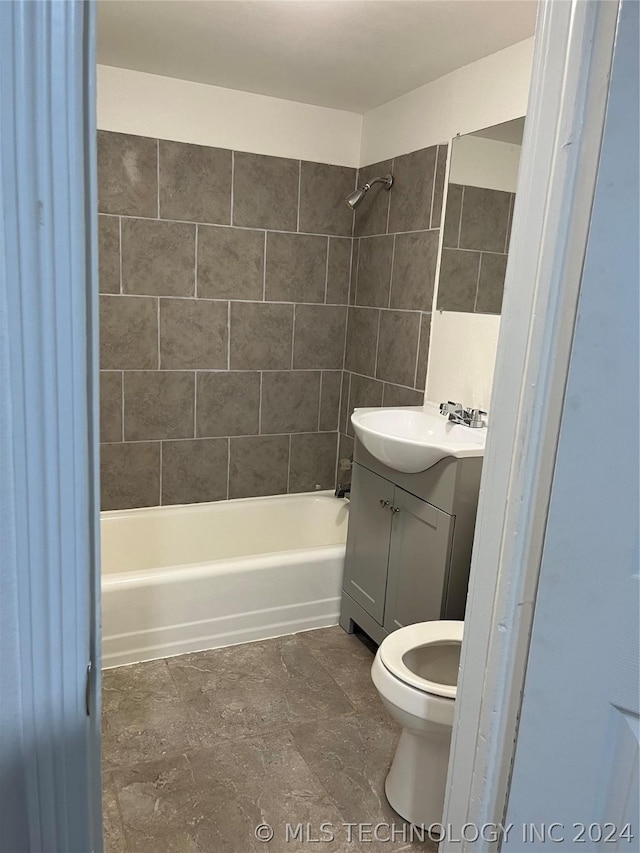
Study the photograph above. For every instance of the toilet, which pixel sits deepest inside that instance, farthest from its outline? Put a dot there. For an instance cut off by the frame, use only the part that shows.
(415, 670)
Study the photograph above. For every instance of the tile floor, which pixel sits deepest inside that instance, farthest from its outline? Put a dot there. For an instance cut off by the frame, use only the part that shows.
(200, 749)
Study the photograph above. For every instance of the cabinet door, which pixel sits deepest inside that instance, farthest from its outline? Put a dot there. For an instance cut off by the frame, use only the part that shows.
(365, 572)
(419, 557)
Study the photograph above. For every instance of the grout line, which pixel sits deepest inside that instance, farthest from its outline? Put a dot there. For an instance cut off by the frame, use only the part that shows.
(228, 335)
(433, 188)
(393, 162)
(293, 336)
(393, 260)
(195, 270)
(351, 253)
(375, 367)
(241, 435)
(224, 369)
(320, 398)
(356, 182)
(375, 379)
(344, 338)
(397, 233)
(260, 408)
(271, 230)
(158, 319)
(120, 249)
(195, 402)
(160, 477)
(228, 464)
(233, 178)
(357, 278)
(347, 414)
(221, 299)
(299, 186)
(477, 251)
(158, 174)
(509, 222)
(415, 372)
(289, 467)
(475, 301)
(264, 269)
(326, 271)
(457, 246)
(122, 403)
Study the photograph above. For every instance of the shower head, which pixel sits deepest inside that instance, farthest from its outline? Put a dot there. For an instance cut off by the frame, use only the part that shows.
(355, 198)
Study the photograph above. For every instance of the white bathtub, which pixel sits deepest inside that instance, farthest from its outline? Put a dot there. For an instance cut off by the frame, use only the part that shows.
(186, 578)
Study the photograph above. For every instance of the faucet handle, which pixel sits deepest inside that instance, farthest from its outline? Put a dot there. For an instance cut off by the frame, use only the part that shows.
(477, 420)
(450, 407)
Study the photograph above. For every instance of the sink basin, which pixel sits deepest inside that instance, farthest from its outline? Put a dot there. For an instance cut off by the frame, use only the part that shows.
(413, 438)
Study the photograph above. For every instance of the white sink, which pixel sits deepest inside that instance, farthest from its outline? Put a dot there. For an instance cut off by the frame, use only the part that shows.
(413, 438)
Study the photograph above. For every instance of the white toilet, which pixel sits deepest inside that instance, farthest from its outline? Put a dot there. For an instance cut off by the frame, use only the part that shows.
(415, 671)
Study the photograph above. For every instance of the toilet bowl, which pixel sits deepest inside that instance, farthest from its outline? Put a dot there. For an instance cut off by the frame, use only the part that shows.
(415, 671)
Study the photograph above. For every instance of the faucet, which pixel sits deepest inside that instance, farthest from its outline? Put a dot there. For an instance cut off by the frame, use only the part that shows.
(458, 414)
(343, 491)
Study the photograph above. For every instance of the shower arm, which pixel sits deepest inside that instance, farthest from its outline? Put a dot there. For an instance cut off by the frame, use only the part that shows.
(388, 180)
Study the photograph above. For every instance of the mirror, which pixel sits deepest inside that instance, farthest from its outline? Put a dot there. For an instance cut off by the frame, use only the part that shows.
(483, 174)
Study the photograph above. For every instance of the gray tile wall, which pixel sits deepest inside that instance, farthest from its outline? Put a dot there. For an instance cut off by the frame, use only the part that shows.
(224, 280)
(244, 314)
(477, 230)
(395, 250)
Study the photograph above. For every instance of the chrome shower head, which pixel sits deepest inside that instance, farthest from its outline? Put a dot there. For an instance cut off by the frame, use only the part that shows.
(355, 198)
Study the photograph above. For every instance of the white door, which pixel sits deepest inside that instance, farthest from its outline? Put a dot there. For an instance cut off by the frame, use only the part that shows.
(575, 775)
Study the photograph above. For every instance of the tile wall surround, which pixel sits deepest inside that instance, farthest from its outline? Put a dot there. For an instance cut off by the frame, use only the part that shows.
(477, 229)
(395, 251)
(243, 314)
(224, 280)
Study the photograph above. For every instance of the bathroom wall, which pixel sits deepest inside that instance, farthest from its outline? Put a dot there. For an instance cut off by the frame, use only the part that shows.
(392, 285)
(163, 107)
(380, 367)
(224, 279)
(484, 93)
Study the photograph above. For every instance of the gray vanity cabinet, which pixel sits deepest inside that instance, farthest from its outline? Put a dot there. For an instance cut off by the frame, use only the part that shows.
(368, 541)
(409, 544)
(418, 561)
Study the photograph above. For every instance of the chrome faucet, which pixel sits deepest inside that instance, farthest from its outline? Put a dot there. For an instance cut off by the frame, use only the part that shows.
(458, 414)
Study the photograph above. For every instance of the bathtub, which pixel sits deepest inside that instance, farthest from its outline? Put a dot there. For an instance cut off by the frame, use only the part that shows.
(179, 579)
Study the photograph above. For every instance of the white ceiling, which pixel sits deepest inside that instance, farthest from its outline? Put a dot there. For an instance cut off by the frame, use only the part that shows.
(346, 54)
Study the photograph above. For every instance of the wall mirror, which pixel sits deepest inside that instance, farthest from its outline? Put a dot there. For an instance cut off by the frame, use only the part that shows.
(483, 173)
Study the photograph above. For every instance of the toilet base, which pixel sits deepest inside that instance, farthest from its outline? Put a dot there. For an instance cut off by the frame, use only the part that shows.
(416, 783)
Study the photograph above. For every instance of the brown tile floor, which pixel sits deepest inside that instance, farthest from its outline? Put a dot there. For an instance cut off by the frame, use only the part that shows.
(200, 749)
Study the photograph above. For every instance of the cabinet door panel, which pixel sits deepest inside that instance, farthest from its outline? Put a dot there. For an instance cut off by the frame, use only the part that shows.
(419, 557)
(365, 577)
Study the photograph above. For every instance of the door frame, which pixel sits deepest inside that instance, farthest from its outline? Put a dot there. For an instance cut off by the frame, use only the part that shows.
(556, 186)
(49, 506)
(48, 405)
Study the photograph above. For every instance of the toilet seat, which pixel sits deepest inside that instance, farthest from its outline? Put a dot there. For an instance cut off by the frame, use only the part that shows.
(394, 647)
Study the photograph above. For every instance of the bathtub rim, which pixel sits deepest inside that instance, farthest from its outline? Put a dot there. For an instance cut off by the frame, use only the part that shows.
(107, 514)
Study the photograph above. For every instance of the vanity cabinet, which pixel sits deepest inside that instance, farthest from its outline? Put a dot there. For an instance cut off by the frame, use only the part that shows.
(409, 544)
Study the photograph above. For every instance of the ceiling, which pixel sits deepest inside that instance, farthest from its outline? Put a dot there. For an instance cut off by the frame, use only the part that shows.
(347, 54)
